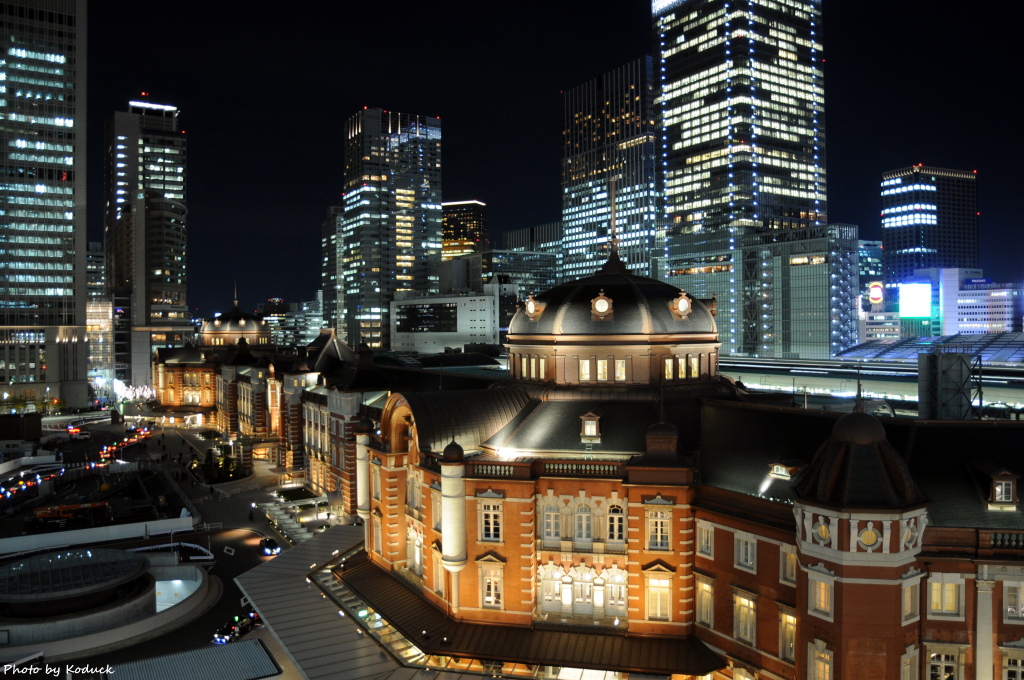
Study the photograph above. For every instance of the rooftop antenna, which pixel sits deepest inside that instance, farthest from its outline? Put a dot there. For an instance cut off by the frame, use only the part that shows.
(236, 293)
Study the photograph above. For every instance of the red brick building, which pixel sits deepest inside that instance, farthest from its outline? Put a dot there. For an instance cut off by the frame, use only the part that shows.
(617, 493)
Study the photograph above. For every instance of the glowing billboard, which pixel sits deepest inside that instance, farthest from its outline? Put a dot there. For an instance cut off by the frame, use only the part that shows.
(875, 293)
(915, 300)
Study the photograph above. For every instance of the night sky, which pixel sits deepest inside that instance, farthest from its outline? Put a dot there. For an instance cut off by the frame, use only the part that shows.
(264, 90)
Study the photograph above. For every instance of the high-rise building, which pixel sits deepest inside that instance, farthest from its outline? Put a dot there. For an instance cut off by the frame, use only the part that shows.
(545, 239)
(43, 345)
(609, 133)
(743, 151)
(463, 228)
(99, 317)
(389, 234)
(145, 235)
(929, 220)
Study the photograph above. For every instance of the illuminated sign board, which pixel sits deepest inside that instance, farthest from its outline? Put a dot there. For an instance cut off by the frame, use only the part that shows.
(875, 293)
(915, 300)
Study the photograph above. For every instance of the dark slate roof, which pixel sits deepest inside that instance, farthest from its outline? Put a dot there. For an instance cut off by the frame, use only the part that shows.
(858, 468)
(411, 614)
(469, 416)
(639, 306)
(740, 441)
(555, 426)
(241, 660)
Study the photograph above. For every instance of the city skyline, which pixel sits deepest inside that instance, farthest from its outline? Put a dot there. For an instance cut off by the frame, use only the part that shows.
(263, 184)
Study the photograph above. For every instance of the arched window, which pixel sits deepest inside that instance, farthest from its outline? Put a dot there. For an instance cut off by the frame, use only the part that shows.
(552, 524)
(551, 589)
(584, 524)
(616, 524)
(615, 591)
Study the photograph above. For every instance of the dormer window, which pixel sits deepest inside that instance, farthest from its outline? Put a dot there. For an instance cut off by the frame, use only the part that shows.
(591, 428)
(534, 308)
(785, 470)
(681, 306)
(1002, 485)
(780, 471)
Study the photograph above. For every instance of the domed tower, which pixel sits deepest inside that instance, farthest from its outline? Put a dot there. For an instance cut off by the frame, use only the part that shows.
(860, 523)
(614, 328)
(234, 326)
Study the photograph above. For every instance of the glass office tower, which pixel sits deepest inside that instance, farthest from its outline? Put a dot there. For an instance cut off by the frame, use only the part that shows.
(390, 230)
(145, 229)
(743, 154)
(609, 134)
(43, 204)
(929, 220)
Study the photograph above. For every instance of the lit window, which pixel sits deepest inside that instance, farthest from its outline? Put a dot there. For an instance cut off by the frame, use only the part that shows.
(909, 664)
(669, 363)
(490, 521)
(584, 525)
(522, 367)
(820, 662)
(911, 601)
(694, 367)
(746, 552)
(657, 529)
(584, 369)
(787, 635)
(744, 627)
(705, 539)
(552, 523)
(1013, 607)
(659, 592)
(491, 585)
(819, 596)
(787, 564)
(542, 369)
(943, 598)
(705, 601)
(533, 367)
(1003, 492)
(620, 369)
(1013, 667)
(942, 667)
(616, 524)
(602, 369)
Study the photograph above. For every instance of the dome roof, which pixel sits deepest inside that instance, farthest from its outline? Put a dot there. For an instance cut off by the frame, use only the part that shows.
(233, 326)
(859, 428)
(858, 468)
(453, 453)
(613, 302)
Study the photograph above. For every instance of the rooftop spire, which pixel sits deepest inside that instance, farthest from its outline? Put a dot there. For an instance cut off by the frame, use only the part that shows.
(236, 293)
(614, 265)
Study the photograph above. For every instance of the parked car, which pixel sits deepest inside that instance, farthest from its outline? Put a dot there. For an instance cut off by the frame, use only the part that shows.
(269, 546)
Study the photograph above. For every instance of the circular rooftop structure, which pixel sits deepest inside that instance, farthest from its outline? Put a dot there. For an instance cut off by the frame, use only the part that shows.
(68, 575)
(232, 327)
(613, 302)
(858, 428)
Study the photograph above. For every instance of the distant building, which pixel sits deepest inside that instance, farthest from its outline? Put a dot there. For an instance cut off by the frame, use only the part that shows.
(542, 238)
(609, 170)
(464, 228)
(743, 151)
(293, 324)
(929, 220)
(436, 323)
(331, 277)
(531, 271)
(145, 233)
(952, 301)
(869, 267)
(388, 237)
(99, 313)
(43, 348)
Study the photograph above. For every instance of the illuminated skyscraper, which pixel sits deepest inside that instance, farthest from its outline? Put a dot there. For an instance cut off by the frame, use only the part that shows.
(609, 136)
(464, 228)
(389, 234)
(43, 202)
(145, 235)
(743, 153)
(929, 220)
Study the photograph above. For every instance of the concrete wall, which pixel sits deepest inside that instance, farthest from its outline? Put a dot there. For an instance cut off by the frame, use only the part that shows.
(121, 636)
(55, 628)
(119, 532)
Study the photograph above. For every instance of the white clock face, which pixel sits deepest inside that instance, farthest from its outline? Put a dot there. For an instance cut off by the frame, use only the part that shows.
(682, 305)
(601, 306)
(531, 307)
